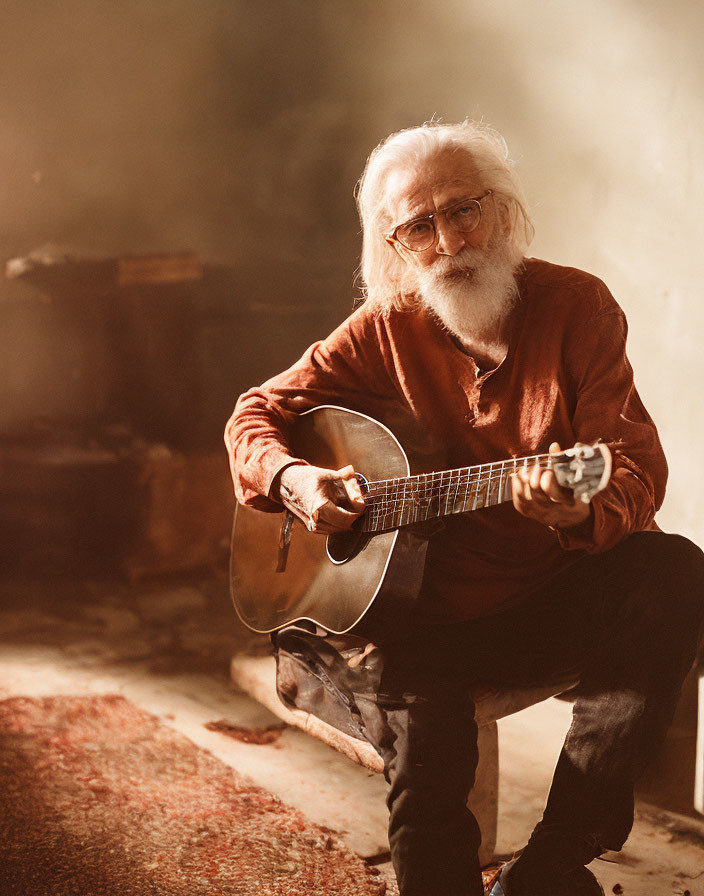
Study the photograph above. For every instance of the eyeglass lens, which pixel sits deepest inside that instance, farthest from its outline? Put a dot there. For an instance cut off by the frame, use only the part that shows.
(420, 234)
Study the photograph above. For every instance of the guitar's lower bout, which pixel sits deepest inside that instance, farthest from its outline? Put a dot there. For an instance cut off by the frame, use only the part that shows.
(331, 581)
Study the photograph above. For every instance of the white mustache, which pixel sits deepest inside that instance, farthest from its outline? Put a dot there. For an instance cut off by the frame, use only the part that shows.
(465, 262)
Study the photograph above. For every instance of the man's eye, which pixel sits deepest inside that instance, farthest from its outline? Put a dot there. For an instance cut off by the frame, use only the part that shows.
(464, 211)
(419, 228)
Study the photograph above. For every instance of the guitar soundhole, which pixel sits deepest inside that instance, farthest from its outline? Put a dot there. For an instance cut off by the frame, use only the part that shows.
(343, 546)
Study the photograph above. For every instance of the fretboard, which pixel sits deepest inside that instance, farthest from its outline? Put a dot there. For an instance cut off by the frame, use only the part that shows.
(412, 499)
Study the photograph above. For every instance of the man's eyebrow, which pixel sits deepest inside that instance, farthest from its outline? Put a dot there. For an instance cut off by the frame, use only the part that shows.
(414, 210)
(420, 210)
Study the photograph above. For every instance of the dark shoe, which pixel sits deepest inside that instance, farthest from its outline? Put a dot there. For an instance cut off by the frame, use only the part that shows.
(552, 863)
(579, 881)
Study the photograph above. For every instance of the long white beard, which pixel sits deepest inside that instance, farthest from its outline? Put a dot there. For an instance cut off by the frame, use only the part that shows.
(473, 293)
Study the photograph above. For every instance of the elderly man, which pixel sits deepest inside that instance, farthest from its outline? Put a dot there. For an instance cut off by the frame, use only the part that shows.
(485, 353)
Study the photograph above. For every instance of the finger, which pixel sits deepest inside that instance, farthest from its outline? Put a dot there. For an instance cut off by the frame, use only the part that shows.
(520, 490)
(540, 481)
(319, 525)
(299, 509)
(522, 479)
(337, 493)
(555, 448)
(354, 493)
(515, 489)
(551, 488)
(343, 473)
(518, 501)
(351, 485)
(344, 487)
(525, 506)
(301, 515)
(335, 518)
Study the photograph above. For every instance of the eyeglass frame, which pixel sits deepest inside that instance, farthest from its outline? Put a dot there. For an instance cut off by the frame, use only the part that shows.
(392, 238)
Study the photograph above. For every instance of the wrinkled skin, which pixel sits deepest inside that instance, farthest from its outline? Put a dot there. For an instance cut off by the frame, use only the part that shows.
(324, 500)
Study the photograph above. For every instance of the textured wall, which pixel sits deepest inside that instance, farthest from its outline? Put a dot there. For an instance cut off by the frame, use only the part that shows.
(237, 129)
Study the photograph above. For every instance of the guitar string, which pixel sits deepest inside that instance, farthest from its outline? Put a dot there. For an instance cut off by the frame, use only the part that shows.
(491, 466)
(432, 488)
(390, 506)
(495, 466)
(384, 504)
(391, 509)
(435, 484)
(463, 478)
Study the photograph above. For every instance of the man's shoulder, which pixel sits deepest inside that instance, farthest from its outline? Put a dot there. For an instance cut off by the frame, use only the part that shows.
(368, 322)
(567, 287)
(360, 325)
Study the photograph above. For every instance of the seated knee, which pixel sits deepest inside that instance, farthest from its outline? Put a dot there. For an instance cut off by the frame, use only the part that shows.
(665, 554)
(669, 572)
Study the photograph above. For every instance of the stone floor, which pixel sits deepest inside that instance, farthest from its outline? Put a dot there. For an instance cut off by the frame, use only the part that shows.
(166, 646)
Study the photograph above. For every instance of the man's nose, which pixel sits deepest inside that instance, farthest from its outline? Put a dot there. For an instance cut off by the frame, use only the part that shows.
(449, 241)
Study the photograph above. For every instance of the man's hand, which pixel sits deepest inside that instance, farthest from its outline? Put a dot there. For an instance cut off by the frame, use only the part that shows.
(324, 500)
(537, 495)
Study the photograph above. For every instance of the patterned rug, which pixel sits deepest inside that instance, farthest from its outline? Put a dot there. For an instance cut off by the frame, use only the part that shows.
(97, 798)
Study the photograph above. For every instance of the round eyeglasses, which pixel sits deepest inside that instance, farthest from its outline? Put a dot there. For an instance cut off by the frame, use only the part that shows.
(420, 233)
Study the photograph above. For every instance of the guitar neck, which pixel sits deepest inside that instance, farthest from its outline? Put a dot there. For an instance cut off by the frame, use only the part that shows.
(412, 499)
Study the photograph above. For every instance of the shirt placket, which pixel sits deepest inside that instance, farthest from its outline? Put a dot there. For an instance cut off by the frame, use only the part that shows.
(471, 386)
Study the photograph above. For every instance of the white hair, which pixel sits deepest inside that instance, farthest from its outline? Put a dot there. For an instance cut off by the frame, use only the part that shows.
(387, 281)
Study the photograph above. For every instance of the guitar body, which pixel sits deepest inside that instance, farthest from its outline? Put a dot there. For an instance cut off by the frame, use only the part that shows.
(369, 577)
(334, 594)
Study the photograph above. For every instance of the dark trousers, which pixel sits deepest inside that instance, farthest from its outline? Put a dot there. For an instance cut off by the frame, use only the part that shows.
(629, 621)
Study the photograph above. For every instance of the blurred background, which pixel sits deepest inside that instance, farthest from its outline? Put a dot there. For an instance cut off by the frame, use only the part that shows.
(177, 223)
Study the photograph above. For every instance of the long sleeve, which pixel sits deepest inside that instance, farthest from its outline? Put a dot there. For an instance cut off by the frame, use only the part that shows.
(349, 368)
(608, 406)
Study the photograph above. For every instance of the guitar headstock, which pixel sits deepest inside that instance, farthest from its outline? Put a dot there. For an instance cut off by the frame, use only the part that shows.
(584, 469)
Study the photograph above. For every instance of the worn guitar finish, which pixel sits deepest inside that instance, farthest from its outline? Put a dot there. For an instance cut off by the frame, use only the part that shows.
(281, 574)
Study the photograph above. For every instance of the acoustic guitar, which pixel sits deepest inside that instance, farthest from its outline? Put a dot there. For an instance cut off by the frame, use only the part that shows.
(281, 573)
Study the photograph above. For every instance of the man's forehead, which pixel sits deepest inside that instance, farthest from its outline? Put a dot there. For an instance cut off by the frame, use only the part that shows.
(414, 190)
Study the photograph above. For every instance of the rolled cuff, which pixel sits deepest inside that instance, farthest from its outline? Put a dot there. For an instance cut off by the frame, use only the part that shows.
(260, 488)
(580, 537)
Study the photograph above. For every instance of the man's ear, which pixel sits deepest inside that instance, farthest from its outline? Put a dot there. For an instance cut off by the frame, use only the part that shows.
(504, 218)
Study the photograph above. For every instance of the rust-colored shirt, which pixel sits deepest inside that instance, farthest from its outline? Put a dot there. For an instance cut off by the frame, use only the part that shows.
(565, 378)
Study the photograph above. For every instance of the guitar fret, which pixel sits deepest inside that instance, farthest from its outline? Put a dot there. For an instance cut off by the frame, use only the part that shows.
(476, 489)
(456, 495)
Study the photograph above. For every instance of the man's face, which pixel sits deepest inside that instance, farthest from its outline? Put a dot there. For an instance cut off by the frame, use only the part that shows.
(466, 279)
(448, 177)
